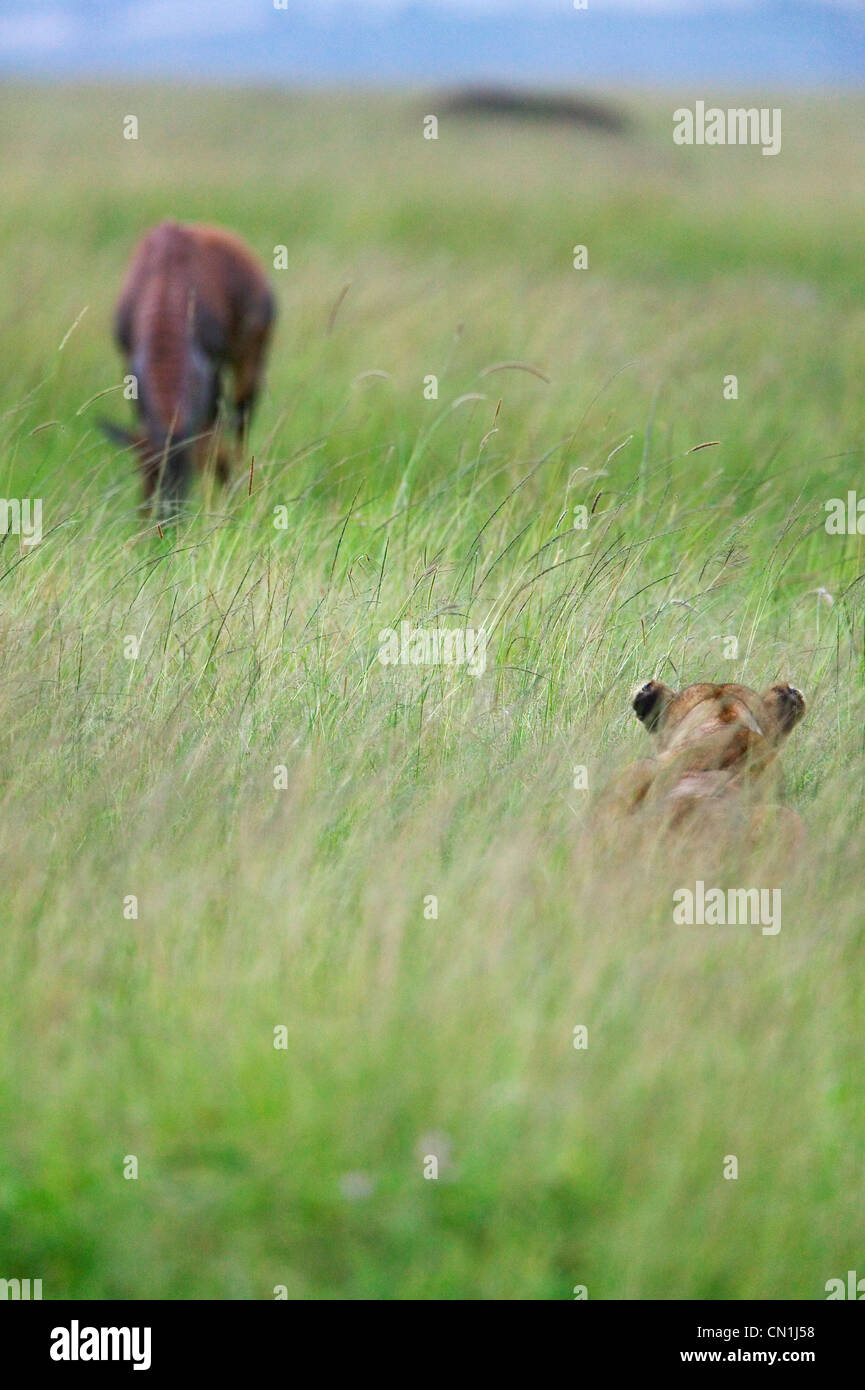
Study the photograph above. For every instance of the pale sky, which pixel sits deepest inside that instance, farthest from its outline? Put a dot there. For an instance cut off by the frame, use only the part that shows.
(792, 41)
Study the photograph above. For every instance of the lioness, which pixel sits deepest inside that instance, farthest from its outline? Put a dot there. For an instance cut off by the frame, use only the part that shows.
(716, 767)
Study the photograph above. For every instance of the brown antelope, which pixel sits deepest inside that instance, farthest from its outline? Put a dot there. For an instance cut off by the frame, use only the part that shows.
(193, 304)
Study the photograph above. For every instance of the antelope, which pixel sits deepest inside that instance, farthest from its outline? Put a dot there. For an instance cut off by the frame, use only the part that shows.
(194, 303)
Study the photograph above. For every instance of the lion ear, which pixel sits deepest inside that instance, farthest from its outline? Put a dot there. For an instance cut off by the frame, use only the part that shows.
(649, 703)
(787, 705)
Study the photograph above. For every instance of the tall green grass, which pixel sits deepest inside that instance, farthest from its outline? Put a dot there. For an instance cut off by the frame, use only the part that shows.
(307, 908)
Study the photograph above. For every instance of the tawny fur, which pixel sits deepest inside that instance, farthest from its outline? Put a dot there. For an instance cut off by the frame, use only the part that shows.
(715, 770)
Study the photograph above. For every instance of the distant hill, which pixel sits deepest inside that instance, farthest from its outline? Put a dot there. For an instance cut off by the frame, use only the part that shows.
(780, 42)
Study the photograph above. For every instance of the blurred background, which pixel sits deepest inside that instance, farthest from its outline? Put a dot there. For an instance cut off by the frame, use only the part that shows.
(405, 41)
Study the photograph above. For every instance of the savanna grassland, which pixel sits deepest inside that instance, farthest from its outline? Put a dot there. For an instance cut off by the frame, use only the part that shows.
(307, 907)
